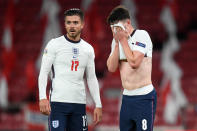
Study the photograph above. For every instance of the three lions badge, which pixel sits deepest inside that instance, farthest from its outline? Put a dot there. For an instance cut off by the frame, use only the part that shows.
(55, 123)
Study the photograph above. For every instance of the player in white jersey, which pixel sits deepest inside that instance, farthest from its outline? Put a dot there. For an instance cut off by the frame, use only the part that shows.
(71, 59)
(132, 53)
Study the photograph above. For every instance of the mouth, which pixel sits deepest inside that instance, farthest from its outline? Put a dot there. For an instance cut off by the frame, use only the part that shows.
(72, 31)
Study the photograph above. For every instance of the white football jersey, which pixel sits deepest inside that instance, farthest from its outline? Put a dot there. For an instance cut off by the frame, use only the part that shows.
(69, 61)
(138, 41)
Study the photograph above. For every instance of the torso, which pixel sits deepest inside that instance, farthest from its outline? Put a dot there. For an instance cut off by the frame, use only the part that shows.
(136, 78)
(69, 65)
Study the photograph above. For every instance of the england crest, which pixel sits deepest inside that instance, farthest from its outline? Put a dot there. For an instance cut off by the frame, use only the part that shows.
(55, 123)
(75, 51)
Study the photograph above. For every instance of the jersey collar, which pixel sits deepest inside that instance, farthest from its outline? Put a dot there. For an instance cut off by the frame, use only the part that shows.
(133, 33)
(72, 41)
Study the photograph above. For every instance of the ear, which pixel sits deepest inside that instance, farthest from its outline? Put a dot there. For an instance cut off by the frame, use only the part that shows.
(65, 23)
(82, 24)
(128, 21)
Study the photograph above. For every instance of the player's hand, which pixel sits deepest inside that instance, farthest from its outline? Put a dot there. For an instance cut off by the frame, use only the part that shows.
(120, 35)
(97, 115)
(45, 107)
(114, 30)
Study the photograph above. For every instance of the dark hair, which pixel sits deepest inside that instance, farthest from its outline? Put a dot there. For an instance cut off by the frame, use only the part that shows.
(74, 11)
(117, 14)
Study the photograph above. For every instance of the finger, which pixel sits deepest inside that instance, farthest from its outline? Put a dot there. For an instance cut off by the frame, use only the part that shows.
(48, 113)
(45, 113)
(42, 108)
(113, 30)
(49, 107)
(119, 29)
(94, 117)
(97, 119)
(100, 118)
(47, 110)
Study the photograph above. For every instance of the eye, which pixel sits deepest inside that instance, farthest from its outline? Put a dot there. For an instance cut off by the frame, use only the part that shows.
(75, 22)
(68, 22)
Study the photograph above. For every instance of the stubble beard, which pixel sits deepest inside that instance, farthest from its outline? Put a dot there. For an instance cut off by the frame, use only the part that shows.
(74, 35)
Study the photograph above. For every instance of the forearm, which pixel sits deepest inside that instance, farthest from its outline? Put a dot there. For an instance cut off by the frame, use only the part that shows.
(128, 52)
(113, 60)
(94, 90)
(43, 77)
(131, 56)
(42, 82)
(92, 81)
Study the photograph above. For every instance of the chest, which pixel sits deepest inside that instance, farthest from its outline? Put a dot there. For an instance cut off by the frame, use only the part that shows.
(72, 55)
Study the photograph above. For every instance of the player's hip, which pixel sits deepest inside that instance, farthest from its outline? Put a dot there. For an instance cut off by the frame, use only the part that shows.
(139, 105)
(67, 108)
(140, 100)
(133, 82)
(143, 90)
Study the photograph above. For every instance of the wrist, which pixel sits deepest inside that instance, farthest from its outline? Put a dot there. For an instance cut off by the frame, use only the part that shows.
(123, 41)
(98, 106)
(117, 46)
(43, 98)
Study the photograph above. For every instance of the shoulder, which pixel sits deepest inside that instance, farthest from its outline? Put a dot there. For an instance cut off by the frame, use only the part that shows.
(87, 46)
(54, 42)
(142, 33)
(58, 39)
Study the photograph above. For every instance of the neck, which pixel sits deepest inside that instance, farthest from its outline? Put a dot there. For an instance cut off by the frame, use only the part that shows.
(77, 38)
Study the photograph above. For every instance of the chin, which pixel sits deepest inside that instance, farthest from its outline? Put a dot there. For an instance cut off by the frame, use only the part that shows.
(72, 35)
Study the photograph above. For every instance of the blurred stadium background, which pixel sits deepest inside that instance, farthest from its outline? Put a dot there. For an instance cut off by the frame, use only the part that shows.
(27, 25)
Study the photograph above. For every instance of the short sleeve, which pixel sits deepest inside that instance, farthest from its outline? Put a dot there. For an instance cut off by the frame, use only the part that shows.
(143, 43)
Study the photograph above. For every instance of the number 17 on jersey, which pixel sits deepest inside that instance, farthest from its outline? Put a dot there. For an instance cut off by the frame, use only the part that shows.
(75, 64)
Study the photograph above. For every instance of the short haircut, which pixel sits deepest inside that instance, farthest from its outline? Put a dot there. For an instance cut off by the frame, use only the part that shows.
(74, 11)
(117, 14)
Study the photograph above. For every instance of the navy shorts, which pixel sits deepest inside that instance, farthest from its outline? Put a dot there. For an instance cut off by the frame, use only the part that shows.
(68, 117)
(138, 112)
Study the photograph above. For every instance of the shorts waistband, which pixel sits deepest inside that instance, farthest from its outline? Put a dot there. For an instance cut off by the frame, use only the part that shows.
(139, 91)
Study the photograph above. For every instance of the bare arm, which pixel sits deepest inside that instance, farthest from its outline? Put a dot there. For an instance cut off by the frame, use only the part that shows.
(134, 58)
(113, 59)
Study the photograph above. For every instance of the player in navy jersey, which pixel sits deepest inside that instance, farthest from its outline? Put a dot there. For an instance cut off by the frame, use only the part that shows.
(132, 53)
(70, 58)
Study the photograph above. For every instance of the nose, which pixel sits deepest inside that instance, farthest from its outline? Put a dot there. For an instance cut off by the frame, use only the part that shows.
(72, 25)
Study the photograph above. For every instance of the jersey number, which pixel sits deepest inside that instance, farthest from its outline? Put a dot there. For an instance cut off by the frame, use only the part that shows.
(85, 123)
(74, 65)
(144, 124)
